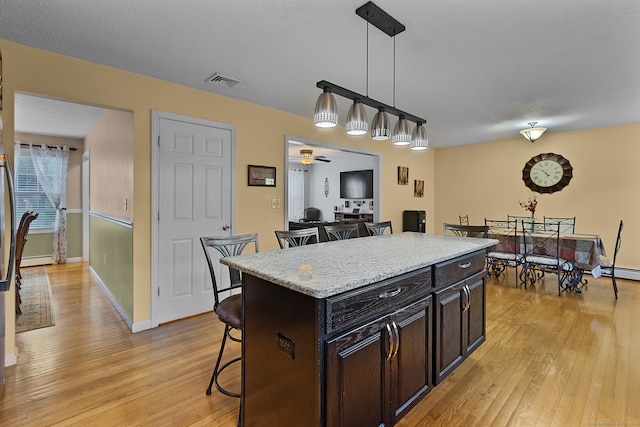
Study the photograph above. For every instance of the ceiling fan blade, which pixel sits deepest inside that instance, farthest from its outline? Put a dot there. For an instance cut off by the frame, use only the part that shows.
(322, 159)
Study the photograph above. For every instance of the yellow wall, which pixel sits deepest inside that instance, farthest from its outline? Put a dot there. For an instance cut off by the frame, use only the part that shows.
(260, 134)
(485, 181)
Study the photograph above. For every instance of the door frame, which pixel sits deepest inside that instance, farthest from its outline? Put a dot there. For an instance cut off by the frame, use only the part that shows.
(377, 170)
(156, 116)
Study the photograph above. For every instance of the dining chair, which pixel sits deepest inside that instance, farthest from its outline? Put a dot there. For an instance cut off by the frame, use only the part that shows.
(378, 228)
(465, 230)
(567, 225)
(341, 231)
(609, 266)
(506, 254)
(541, 254)
(227, 299)
(464, 219)
(292, 238)
(21, 240)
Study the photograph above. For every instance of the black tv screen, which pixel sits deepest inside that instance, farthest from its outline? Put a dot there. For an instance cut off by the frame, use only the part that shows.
(356, 184)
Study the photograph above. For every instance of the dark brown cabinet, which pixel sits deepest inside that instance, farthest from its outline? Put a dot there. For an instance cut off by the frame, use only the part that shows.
(363, 357)
(375, 372)
(459, 322)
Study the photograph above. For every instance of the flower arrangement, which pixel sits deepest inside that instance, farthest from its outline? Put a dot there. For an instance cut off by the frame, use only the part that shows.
(530, 205)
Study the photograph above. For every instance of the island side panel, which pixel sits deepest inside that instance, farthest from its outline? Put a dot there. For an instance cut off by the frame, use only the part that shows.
(282, 352)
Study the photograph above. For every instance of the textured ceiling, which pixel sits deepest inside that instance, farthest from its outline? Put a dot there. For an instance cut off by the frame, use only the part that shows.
(476, 70)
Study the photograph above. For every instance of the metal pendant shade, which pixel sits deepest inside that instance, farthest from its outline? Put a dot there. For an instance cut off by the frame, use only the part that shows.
(326, 112)
(380, 126)
(402, 132)
(357, 119)
(419, 139)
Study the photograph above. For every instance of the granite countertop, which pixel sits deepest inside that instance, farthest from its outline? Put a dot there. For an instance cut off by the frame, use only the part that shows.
(325, 269)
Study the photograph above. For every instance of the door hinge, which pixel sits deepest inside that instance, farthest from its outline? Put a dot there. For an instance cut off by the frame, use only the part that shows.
(158, 140)
(158, 215)
(158, 290)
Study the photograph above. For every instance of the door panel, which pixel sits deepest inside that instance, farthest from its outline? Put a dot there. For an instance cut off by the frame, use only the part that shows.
(194, 200)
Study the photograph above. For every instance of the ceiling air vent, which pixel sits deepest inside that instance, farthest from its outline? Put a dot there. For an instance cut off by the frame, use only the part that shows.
(220, 80)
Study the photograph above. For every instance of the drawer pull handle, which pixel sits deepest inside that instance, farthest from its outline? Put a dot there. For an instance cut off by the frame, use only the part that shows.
(390, 294)
(465, 265)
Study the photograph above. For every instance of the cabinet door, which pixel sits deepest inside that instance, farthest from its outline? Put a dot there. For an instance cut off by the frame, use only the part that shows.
(356, 376)
(449, 322)
(411, 371)
(475, 316)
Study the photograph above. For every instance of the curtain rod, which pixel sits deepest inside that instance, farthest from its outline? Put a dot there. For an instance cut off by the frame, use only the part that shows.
(51, 147)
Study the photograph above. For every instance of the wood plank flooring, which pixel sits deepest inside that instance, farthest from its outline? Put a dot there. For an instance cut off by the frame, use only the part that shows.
(572, 360)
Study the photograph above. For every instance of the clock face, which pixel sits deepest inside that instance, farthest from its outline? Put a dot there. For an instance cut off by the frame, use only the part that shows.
(547, 173)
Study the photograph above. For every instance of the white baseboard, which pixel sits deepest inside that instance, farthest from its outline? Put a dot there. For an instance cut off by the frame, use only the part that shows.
(47, 260)
(135, 327)
(626, 273)
(11, 359)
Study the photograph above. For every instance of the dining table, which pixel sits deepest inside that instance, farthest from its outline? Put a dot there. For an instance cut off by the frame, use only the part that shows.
(583, 252)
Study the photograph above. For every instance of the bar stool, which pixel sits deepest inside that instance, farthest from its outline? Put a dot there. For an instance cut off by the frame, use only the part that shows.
(228, 309)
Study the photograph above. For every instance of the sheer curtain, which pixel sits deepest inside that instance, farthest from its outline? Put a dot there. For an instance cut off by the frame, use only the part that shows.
(296, 194)
(50, 165)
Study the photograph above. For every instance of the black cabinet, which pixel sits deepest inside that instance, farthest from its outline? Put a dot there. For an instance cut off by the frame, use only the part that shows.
(375, 372)
(459, 322)
(414, 221)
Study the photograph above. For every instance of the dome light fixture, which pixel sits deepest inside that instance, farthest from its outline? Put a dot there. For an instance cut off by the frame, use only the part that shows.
(533, 133)
(306, 156)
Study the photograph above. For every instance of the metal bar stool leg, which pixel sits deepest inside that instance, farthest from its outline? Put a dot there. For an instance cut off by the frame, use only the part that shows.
(217, 370)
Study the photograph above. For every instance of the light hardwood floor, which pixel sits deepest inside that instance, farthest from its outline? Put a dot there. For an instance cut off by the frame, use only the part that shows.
(572, 360)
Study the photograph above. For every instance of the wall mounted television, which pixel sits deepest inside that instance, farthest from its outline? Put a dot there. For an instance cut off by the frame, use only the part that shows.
(356, 184)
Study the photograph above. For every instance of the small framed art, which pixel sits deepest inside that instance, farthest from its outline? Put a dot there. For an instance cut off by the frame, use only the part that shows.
(262, 176)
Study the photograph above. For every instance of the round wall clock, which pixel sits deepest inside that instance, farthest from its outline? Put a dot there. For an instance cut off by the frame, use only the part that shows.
(547, 173)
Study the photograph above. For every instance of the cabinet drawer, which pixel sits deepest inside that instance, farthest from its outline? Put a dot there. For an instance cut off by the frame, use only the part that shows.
(379, 298)
(451, 271)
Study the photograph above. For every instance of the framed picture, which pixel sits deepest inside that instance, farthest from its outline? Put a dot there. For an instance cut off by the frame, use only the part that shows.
(403, 175)
(262, 176)
(418, 188)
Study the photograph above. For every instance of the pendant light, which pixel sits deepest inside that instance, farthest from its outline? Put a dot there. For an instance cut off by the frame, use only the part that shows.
(402, 132)
(380, 126)
(357, 119)
(326, 112)
(419, 139)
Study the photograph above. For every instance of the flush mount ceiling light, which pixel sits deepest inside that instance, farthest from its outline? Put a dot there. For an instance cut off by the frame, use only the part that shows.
(533, 133)
(306, 156)
(326, 114)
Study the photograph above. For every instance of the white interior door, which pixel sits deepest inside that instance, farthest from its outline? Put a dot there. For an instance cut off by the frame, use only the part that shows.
(194, 200)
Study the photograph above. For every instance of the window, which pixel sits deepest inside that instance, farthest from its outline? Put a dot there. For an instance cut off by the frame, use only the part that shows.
(29, 194)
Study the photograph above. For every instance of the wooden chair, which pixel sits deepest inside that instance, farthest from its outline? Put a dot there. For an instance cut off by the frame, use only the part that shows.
(465, 230)
(378, 228)
(341, 231)
(609, 266)
(292, 238)
(228, 308)
(21, 239)
(567, 225)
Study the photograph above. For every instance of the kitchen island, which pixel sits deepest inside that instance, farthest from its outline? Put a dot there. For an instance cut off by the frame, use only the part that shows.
(356, 332)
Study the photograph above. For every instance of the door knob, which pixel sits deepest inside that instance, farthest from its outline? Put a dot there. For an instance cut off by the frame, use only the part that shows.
(225, 227)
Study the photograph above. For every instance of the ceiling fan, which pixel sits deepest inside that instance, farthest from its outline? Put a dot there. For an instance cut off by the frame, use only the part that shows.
(306, 157)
